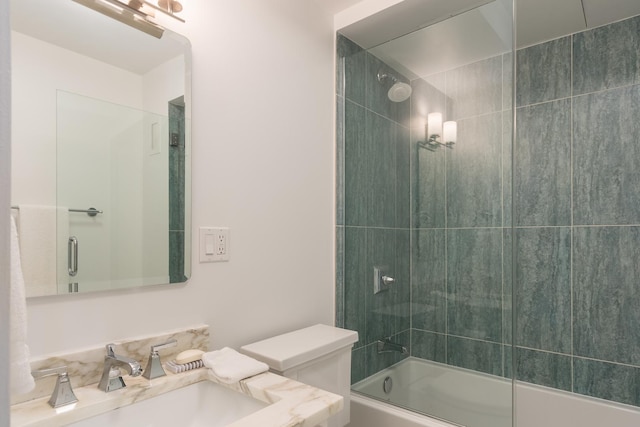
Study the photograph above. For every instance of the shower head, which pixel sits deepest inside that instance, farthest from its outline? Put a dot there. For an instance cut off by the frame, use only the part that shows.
(399, 91)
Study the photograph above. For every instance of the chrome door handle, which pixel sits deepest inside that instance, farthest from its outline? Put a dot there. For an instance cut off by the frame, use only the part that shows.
(72, 256)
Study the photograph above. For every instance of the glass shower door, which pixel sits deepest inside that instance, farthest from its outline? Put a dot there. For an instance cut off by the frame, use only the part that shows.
(424, 196)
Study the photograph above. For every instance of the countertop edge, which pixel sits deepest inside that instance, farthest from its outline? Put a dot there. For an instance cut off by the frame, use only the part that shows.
(291, 403)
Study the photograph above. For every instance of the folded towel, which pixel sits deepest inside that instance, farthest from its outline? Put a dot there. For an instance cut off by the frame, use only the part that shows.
(40, 248)
(229, 366)
(20, 369)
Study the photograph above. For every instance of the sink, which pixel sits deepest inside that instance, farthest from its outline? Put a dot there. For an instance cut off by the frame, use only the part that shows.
(198, 405)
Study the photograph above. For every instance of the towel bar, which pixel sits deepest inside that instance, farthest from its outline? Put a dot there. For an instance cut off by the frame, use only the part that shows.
(90, 211)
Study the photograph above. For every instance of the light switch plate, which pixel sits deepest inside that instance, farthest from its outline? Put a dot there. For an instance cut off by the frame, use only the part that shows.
(214, 244)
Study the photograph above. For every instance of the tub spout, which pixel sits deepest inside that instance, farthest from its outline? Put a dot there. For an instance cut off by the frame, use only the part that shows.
(386, 345)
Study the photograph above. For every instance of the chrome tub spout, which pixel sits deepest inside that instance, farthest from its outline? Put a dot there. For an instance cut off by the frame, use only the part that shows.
(386, 345)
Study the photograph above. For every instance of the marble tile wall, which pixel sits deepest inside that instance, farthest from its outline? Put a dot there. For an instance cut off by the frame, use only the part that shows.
(576, 189)
(577, 213)
(177, 170)
(84, 366)
(459, 299)
(373, 207)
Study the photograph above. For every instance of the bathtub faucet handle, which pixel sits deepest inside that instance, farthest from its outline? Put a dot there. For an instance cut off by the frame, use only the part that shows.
(388, 280)
(381, 280)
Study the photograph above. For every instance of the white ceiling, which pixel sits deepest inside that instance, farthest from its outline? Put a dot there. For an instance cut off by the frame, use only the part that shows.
(485, 31)
(335, 6)
(460, 40)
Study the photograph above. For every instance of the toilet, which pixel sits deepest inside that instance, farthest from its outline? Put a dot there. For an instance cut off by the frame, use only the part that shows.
(319, 355)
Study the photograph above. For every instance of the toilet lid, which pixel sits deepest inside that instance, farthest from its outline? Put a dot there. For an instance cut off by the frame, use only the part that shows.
(292, 349)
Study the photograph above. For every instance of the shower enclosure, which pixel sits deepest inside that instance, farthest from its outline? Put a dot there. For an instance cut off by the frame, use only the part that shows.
(487, 221)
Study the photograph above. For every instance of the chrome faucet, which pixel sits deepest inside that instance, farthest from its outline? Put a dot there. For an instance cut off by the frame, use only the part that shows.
(387, 345)
(63, 393)
(111, 376)
(154, 365)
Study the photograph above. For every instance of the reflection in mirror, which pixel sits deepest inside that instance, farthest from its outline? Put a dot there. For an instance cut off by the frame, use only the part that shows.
(101, 123)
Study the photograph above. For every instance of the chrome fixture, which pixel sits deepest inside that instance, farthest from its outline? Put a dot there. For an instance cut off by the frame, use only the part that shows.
(437, 134)
(170, 6)
(132, 14)
(62, 393)
(399, 91)
(111, 376)
(154, 365)
(386, 345)
(387, 385)
(72, 256)
(381, 282)
(90, 211)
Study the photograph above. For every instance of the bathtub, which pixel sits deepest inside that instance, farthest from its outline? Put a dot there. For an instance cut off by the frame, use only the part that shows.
(468, 398)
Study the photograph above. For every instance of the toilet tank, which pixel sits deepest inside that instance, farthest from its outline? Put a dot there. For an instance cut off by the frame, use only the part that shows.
(319, 355)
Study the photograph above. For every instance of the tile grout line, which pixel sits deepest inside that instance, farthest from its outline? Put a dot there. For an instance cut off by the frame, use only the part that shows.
(502, 141)
(571, 230)
(572, 95)
(446, 241)
(411, 232)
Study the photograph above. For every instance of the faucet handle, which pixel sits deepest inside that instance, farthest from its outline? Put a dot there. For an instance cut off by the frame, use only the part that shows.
(110, 350)
(170, 343)
(154, 367)
(62, 393)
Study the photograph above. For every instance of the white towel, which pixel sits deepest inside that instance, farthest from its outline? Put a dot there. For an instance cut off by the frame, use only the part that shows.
(43, 247)
(20, 369)
(229, 366)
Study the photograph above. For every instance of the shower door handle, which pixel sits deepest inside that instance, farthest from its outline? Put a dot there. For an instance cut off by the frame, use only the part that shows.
(72, 256)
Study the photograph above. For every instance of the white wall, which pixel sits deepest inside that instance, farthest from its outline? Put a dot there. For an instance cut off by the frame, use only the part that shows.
(37, 75)
(263, 119)
(5, 176)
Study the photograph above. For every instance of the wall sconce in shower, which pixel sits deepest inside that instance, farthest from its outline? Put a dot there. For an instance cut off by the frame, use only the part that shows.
(437, 134)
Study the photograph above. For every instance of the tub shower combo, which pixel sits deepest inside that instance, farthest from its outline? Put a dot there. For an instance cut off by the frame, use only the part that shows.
(488, 222)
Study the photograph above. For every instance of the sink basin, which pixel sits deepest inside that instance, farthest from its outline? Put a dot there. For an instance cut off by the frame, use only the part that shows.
(198, 405)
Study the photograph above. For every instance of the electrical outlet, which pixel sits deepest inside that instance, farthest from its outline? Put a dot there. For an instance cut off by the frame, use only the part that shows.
(222, 244)
(214, 244)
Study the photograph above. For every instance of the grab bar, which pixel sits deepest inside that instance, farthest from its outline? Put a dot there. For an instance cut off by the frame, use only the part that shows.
(90, 211)
(72, 256)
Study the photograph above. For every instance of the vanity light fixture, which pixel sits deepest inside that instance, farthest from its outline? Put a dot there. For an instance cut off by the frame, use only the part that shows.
(126, 14)
(437, 134)
(168, 7)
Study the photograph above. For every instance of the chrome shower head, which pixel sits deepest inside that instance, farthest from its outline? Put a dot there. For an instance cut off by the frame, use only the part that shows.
(399, 91)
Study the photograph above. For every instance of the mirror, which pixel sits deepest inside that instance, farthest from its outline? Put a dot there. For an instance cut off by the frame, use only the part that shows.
(100, 150)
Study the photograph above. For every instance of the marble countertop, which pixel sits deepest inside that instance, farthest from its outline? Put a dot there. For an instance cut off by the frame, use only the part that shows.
(290, 403)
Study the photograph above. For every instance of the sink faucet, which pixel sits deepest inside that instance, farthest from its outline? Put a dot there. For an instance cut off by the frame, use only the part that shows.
(111, 376)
